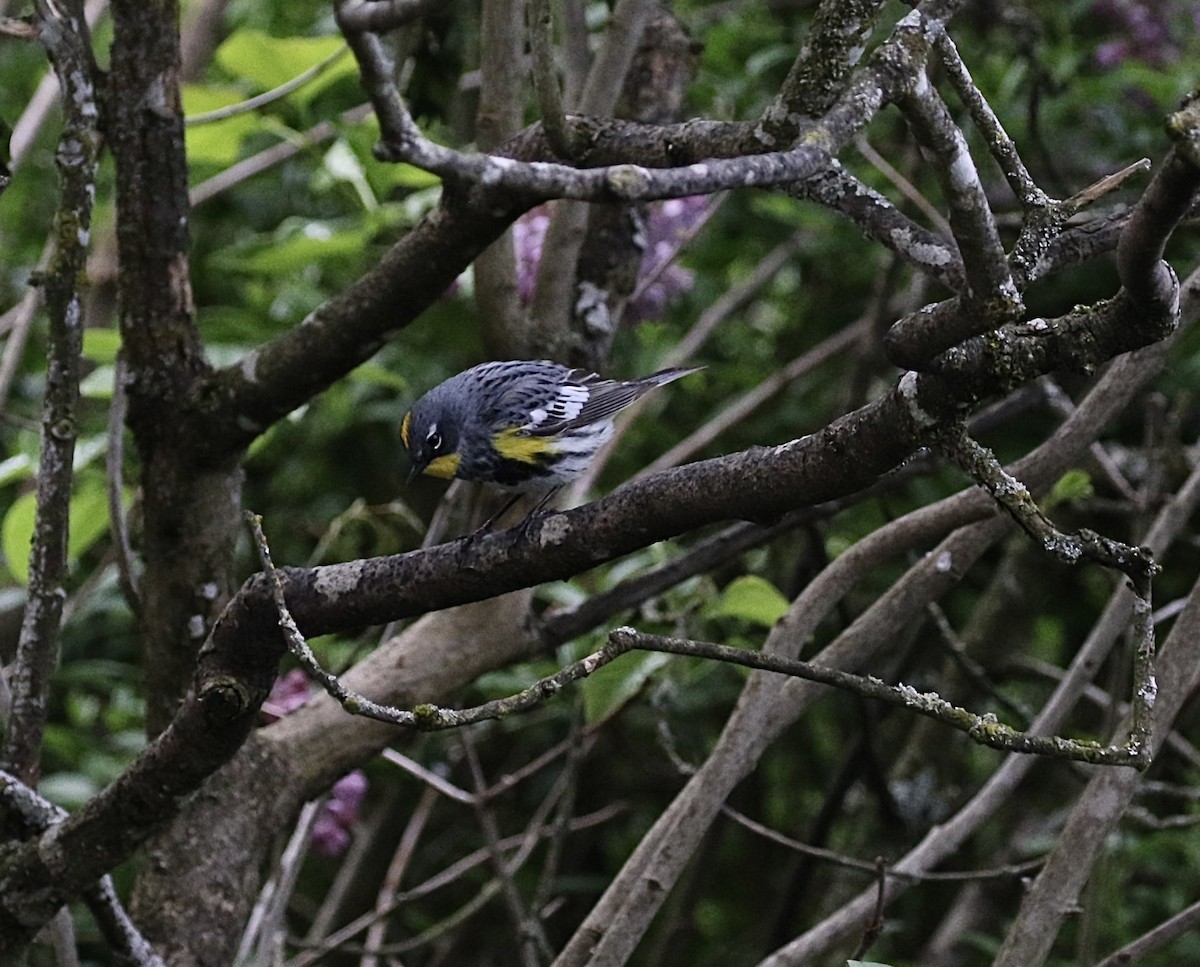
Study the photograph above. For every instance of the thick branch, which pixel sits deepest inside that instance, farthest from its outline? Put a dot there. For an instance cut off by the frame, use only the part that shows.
(889, 72)
(836, 40)
(1146, 277)
(382, 15)
(237, 664)
(35, 815)
(238, 403)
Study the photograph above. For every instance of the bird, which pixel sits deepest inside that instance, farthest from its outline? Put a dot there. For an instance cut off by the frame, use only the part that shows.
(525, 426)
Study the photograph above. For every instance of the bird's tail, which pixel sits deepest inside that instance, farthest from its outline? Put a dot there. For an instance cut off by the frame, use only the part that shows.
(664, 376)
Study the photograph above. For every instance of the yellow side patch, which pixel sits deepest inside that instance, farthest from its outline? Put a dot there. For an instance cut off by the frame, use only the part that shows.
(405, 425)
(445, 466)
(512, 444)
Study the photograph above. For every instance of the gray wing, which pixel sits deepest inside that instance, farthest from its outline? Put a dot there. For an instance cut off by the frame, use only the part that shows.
(605, 398)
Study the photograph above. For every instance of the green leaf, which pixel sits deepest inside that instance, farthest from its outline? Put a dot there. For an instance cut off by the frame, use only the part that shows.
(410, 176)
(609, 688)
(15, 533)
(88, 518)
(750, 598)
(17, 467)
(341, 164)
(98, 384)
(373, 374)
(216, 142)
(71, 790)
(101, 345)
(1072, 485)
(297, 246)
(267, 62)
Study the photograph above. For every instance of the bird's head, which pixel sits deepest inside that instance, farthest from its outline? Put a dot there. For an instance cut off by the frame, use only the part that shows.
(429, 433)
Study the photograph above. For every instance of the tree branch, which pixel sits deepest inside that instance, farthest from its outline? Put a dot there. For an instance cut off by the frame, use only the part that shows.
(63, 31)
(617, 921)
(36, 815)
(942, 841)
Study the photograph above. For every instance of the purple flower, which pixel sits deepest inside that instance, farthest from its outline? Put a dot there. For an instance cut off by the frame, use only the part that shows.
(667, 226)
(289, 692)
(1144, 32)
(529, 232)
(328, 837)
(331, 829)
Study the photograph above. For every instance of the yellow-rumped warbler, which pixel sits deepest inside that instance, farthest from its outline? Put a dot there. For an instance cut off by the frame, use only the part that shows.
(528, 426)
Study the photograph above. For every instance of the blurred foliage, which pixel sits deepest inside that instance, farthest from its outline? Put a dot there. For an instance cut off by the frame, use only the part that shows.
(329, 480)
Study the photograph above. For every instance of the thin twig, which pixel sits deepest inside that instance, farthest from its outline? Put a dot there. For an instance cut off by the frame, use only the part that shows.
(64, 33)
(395, 872)
(351, 701)
(903, 185)
(1003, 149)
(118, 522)
(270, 157)
(1009, 872)
(531, 937)
(1106, 185)
(1012, 495)
(262, 939)
(875, 923)
(267, 97)
(523, 844)
(1169, 930)
(431, 779)
(545, 78)
(985, 729)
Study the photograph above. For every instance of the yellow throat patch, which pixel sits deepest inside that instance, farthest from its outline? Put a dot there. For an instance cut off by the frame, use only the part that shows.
(445, 466)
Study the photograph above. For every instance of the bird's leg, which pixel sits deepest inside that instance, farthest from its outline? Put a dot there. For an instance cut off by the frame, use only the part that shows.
(487, 525)
(536, 511)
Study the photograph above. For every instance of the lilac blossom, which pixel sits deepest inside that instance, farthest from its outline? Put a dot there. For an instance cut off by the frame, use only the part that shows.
(1144, 32)
(661, 280)
(667, 226)
(333, 825)
(528, 233)
(289, 692)
(331, 829)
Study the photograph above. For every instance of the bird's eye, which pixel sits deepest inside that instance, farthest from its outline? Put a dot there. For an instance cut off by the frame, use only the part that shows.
(434, 438)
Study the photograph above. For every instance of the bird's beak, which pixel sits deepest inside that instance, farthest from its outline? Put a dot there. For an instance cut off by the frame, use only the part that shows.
(415, 471)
